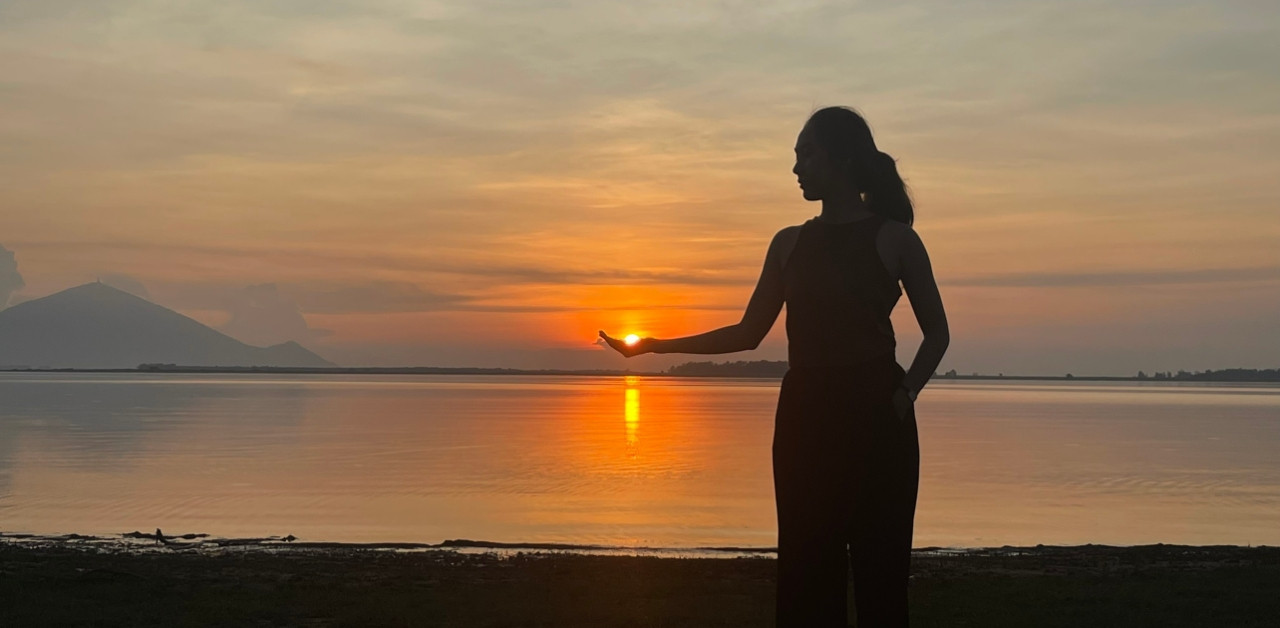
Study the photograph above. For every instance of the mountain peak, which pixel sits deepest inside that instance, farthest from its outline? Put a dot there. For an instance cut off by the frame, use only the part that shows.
(92, 290)
(96, 325)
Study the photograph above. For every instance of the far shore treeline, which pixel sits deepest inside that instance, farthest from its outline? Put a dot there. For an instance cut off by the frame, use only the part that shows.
(758, 369)
(771, 368)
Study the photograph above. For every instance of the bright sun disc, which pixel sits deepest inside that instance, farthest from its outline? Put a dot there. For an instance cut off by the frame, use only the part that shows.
(631, 339)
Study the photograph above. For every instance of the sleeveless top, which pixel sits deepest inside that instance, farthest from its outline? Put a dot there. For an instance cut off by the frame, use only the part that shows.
(839, 295)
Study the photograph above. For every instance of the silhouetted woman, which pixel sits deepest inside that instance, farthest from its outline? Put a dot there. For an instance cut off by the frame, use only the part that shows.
(846, 457)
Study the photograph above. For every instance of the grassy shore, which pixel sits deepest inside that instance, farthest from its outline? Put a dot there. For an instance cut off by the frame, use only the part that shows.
(67, 583)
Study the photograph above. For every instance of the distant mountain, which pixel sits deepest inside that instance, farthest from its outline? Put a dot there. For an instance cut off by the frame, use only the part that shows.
(97, 326)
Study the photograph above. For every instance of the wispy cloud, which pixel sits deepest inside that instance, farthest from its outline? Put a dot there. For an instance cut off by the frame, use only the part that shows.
(10, 279)
(1123, 278)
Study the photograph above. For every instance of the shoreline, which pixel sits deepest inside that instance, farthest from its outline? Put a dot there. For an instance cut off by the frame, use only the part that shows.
(484, 371)
(73, 581)
(137, 541)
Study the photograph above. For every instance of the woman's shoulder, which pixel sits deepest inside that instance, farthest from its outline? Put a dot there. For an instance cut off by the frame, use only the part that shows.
(790, 230)
(784, 242)
(897, 232)
(899, 245)
(787, 235)
(896, 227)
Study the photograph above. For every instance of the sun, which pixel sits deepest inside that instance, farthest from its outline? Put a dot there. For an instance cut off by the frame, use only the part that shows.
(631, 339)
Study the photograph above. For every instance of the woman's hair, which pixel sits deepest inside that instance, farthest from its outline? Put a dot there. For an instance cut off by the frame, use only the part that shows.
(846, 138)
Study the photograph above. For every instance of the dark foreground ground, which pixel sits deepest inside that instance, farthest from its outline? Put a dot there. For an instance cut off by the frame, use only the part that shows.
(73, 584)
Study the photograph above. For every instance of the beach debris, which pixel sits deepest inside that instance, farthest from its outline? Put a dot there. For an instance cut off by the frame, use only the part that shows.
(147, 535)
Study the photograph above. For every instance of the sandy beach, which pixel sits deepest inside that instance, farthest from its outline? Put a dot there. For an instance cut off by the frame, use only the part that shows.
(75, 581)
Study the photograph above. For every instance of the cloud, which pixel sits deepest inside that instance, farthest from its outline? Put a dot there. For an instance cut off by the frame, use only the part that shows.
(361, 297)
(10, 280)
(334, 297)
(261, 316)
(1120, 278)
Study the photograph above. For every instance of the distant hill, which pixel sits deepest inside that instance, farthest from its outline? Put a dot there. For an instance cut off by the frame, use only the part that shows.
(755, 368)
(97, 326)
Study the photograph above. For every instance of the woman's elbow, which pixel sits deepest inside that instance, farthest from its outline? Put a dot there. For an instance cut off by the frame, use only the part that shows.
(749, 339)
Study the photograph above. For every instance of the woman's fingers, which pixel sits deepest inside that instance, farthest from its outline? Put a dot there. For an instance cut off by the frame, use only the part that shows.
(614, 343)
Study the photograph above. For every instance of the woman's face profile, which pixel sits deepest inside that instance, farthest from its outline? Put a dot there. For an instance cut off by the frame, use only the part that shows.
(813, 167)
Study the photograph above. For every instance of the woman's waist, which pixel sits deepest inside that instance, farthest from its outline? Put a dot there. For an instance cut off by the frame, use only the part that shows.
(843, 365)
(810, 350)
(876, 376)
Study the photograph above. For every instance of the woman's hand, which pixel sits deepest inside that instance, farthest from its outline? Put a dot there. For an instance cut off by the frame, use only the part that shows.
(644, 345)
(902, 403)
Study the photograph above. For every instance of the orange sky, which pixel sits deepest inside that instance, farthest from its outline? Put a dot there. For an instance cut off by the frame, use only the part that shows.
(454, 183)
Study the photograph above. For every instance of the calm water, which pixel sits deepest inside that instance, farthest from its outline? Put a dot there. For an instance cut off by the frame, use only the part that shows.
(620, 461)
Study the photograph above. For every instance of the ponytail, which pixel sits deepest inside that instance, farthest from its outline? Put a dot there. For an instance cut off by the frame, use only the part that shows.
(886, 193)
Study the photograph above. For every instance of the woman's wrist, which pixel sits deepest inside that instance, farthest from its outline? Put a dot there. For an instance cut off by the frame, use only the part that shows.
(911, 394)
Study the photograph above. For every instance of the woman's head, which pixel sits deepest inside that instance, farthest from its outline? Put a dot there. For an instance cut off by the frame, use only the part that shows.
(836, 155)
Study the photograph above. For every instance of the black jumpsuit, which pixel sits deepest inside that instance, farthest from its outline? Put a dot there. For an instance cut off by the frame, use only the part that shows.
(846, 468)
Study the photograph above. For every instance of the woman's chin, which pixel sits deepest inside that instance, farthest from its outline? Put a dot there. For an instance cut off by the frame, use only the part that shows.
(810, 195)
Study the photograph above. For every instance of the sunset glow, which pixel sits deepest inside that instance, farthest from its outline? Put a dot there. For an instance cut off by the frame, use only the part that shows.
(436, 187)
(631, 339)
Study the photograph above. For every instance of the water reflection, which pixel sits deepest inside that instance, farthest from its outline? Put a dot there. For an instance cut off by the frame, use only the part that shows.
(376, 459)
(631, 413)
(84, 451)
(544, 459)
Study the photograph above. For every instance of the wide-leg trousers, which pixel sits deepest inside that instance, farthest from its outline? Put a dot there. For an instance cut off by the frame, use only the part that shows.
(846, 471)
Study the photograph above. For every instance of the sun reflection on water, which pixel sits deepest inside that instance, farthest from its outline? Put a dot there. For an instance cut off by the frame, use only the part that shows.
(631, 413)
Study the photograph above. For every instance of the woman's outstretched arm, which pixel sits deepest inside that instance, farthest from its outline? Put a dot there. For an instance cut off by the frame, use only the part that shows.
(922, 290)
(762, 310)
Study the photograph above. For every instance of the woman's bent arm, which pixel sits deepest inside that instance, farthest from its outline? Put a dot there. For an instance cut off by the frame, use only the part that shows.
(926, 303)
(762, 310)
